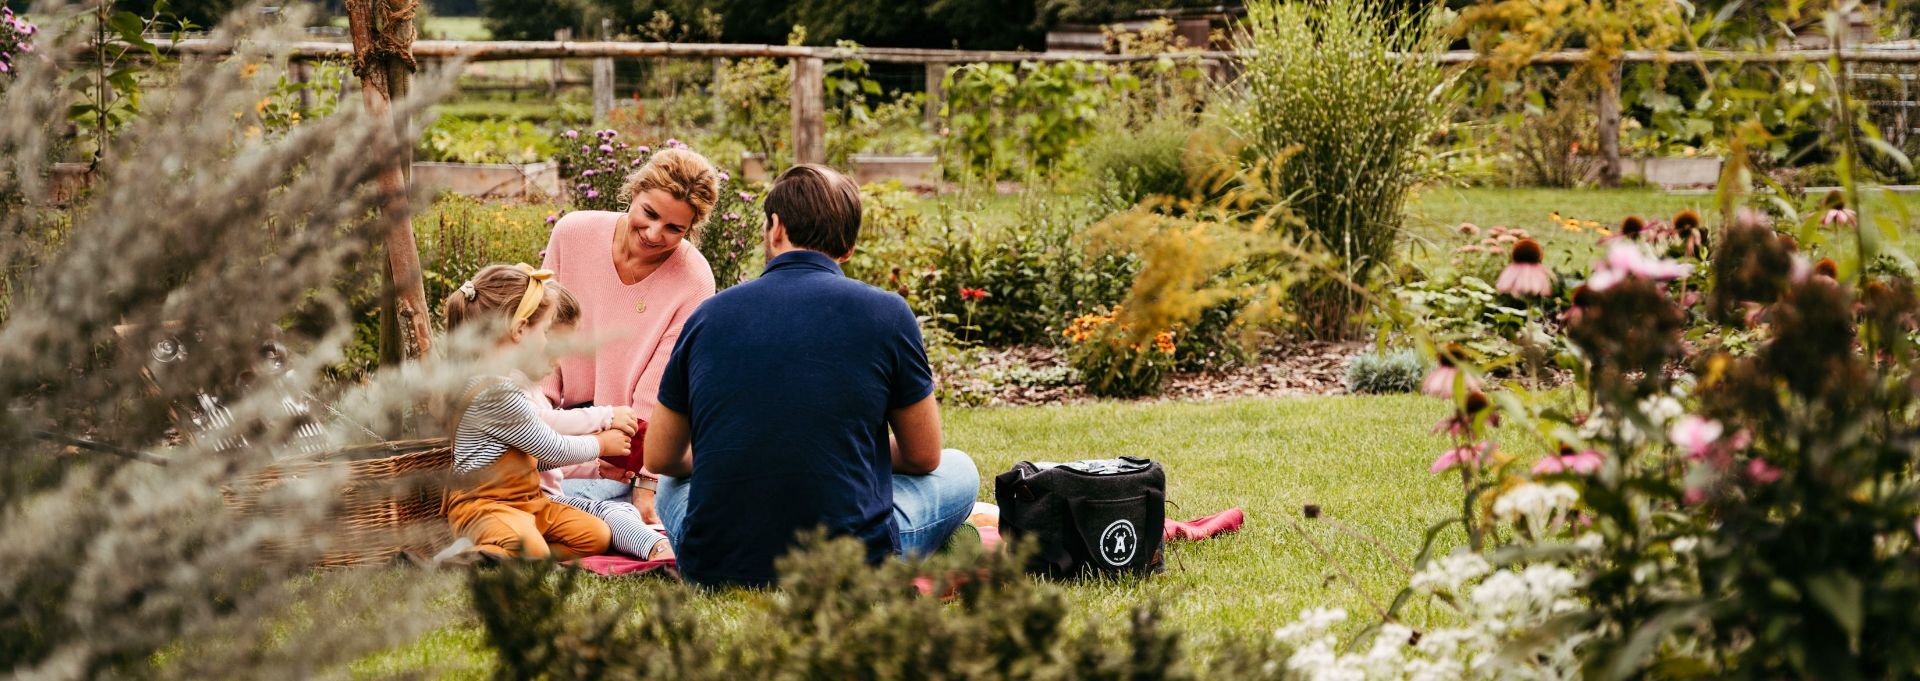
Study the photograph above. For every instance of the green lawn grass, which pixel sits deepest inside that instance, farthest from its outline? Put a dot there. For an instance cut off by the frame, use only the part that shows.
(1362, 459)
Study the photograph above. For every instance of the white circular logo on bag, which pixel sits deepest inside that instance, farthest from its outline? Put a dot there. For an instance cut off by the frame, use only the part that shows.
(1118, 543)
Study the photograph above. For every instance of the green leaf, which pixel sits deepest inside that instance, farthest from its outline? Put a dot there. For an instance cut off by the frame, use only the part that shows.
(1840, 595)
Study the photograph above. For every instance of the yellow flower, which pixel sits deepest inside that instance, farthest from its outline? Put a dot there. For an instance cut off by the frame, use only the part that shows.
(262, 104)
(295, 117)
(253, 131)
(248, 70)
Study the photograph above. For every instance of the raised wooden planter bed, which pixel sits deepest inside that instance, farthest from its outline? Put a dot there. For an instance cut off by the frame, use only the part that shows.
(913, 170)
(491, 180)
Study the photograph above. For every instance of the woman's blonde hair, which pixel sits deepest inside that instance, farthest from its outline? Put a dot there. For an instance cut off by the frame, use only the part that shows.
(494, 293)
(682, 174)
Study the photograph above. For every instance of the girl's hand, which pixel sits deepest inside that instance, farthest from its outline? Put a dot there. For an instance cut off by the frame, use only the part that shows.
(624, 420)
(614, 442)
(612, 472)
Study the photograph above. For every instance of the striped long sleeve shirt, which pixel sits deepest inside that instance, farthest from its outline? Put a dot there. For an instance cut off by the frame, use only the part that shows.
(501, 417)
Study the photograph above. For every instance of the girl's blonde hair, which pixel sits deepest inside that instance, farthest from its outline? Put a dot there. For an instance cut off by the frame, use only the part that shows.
(682, 174)
(494, 294)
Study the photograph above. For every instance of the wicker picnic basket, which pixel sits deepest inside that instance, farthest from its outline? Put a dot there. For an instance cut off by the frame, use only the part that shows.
(390, 503)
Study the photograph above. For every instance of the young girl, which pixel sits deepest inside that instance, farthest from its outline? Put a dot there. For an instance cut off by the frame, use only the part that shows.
(631, 534)
(499, 442)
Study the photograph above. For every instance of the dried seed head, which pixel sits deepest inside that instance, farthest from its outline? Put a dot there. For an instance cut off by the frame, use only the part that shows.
(1834, 200)
(1686, 221)
(1632, 226)
(1827, 268)
(1526, 252)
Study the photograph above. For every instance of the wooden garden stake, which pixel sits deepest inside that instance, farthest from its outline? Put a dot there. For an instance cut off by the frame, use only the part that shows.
(383, 34)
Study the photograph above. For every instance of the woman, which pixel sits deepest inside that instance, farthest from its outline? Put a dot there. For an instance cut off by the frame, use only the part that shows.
(637, 278)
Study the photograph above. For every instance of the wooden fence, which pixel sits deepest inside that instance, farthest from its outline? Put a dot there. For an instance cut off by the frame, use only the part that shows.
(808, 94)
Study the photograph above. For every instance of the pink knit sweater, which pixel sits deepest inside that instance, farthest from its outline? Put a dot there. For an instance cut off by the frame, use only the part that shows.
(635, 326)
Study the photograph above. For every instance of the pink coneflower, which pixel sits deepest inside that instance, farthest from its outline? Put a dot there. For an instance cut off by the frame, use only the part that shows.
(1439, 382)
(571, 134)
(1460, 456)
(1837, 211)
(1632, 227)
(1460, 424)
(1469, 229)
(1583, 463)
(1762, 472)
(1695, 434)
(1525, 275)
(1826, 268)
(1581, 299)
(1628, 259)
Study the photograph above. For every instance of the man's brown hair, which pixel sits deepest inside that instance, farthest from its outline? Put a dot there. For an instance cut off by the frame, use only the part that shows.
(819, 207)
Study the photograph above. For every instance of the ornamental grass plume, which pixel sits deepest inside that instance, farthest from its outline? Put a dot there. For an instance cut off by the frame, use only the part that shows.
(1525, 275)
(194, 245)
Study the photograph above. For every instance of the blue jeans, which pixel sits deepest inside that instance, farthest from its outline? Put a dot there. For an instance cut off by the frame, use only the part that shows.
(595, 489)
(926, 508)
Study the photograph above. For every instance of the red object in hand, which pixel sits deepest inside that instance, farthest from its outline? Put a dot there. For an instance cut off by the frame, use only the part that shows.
(632, 461)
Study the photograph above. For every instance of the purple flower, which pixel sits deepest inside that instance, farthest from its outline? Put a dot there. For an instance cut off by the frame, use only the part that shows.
(585, 149)
(724, 177)
(583, 186)
(638, 161)
(607, 148)
(1628, 259)
(747, 197)
(674, 144)
(587, 173)
(550, 220)
(730, 216)
(593, 194)
(570, 134)
(623, 145)
(643, 148)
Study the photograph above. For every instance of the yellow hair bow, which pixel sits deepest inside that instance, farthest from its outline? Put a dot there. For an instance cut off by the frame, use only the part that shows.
(535, 294)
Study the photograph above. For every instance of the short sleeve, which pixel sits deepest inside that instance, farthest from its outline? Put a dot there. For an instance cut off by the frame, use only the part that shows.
(912, 379)
(675, 389)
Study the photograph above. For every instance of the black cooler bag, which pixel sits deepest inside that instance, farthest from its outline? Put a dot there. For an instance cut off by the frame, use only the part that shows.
(1096, 516)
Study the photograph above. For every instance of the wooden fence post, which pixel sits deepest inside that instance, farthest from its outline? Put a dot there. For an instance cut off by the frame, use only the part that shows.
(559, 71)
(809, 110)
(383, 37)
(713, 91)
(1608, 127)
(603, 79)
(936, 93)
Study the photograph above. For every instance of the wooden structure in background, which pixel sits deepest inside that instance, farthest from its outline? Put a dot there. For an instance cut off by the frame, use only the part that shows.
(809, 133)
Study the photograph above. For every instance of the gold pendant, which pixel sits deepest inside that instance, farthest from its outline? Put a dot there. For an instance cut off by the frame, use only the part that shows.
(640, 307)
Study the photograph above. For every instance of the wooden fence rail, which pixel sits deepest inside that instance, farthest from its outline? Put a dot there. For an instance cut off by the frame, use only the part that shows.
(808, 94)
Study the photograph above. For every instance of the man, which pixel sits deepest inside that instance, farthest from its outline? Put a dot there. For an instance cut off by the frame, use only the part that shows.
(787, 387)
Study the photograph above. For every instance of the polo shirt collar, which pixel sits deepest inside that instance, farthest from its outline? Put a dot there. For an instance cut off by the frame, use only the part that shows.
(803, 259)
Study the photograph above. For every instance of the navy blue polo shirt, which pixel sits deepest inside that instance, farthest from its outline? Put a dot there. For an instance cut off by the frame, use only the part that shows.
(787, 381)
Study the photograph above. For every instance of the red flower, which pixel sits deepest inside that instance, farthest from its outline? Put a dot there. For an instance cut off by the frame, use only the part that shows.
(972, 293)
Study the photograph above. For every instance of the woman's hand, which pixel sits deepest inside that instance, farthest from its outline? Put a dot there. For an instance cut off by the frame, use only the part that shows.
(643, 500)
(614, 442)
(624, 420)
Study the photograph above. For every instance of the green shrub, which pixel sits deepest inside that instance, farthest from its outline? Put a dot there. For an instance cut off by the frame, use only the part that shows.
(1398, 371)
(466, 141)
(1134, 164)
(1008, 121)
(1354, 87)
(1034, 264)
(835, 617)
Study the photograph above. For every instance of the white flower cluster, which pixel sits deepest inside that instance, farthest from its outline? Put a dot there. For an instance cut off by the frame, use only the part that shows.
(1539, 507)
(1498, 609)
(1660, 411)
